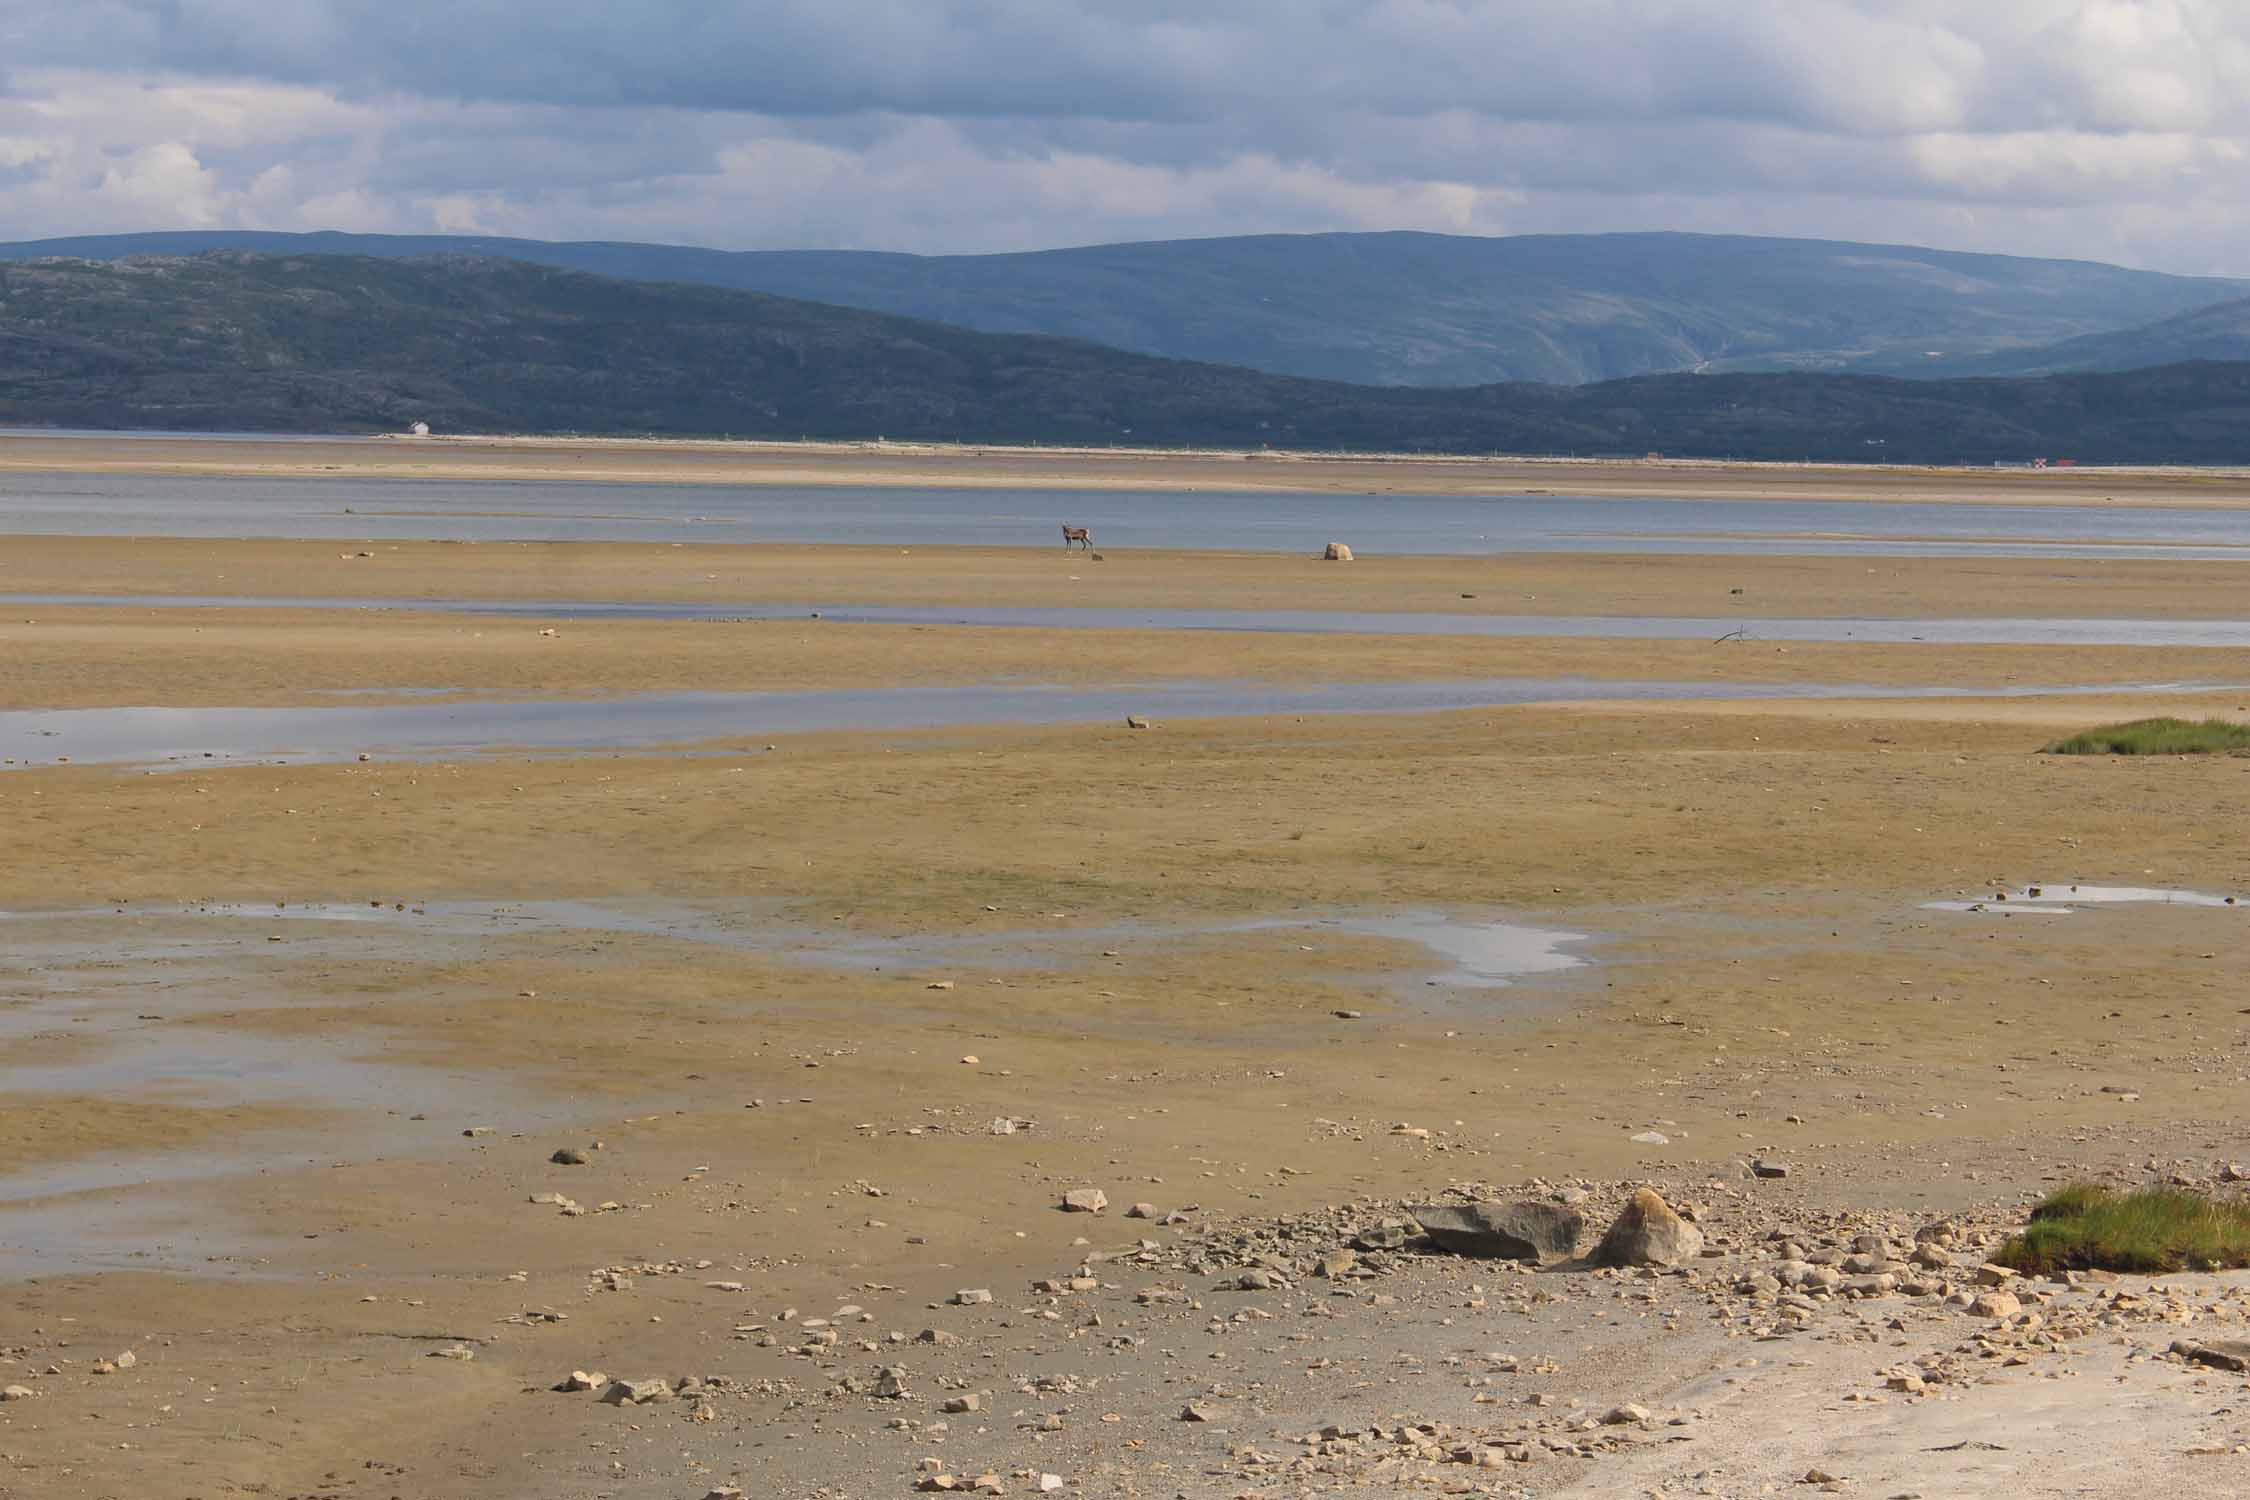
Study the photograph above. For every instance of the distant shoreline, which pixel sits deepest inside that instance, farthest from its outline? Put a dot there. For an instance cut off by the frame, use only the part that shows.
(765, 462)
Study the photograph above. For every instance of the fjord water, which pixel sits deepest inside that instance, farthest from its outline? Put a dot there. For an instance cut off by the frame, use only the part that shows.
(1197, 520)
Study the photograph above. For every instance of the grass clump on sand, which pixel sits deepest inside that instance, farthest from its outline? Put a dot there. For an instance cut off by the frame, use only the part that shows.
(2152, 1230)
(2156, 737)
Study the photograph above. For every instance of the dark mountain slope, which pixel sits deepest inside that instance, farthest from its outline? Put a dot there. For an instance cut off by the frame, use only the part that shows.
(1406, 309)
(330, 343)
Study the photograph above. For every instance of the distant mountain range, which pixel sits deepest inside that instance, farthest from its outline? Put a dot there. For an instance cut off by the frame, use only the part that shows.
(242, 342)
(1419, 309)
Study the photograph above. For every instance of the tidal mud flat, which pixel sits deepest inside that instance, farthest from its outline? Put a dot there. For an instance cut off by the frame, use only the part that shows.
(743, 1072)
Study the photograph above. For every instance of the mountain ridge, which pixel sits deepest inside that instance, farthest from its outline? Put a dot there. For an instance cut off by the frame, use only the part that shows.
(1402, 307)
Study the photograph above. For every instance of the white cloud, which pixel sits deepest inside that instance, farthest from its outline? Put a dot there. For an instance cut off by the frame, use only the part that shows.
(2041, 126)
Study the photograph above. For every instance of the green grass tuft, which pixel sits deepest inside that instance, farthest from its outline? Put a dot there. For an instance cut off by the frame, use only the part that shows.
(2156, 737)
(2152, 1230)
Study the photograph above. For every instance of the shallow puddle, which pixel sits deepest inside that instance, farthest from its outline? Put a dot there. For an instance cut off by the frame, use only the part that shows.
(107, 1001)
(2062, 899)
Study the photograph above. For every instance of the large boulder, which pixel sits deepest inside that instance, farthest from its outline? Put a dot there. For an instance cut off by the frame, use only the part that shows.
(1648, 1233)
(1523, 1230)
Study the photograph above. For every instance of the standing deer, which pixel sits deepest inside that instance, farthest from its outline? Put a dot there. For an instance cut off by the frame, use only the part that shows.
(1079, 534)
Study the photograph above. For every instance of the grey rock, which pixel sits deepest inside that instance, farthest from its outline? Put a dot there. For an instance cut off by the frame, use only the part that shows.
(1522, 1230)
(2221, 1354)
(1769, 1169)
(568, 1156)
(1391, 1234)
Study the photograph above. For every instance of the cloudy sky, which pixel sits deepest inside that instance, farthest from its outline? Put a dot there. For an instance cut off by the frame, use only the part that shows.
(2110, 129)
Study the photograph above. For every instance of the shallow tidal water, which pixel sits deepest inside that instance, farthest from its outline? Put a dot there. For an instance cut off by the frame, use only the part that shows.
(1934, 631)
(1210, 520)
(177, 737)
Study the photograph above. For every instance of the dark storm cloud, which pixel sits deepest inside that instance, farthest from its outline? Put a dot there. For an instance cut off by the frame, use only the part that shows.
(2108, 127)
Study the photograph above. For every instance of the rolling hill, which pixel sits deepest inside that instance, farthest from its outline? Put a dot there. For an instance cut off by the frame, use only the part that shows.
(2208, 333)
(1403, 309)
(236, 341)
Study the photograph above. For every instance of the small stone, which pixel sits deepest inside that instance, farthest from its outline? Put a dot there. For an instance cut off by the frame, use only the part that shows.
(127, 1360)
(17, 1393)
(1335, 1263)
(1652, 1138)
(1995, 1305)
(1141, 1211)
(936, 1336)
(957, 1405)
(1908, 1382)
(1197, 1412)
(453, 1351)
(940, 984)
(1820, 1476)
(1135, 721)
(568, 1156)
(636, 1392)
(1990, 1275)
(723, 1492)
(1049, 1483)
(1626, 1415)
(890, 1382)
(1085, 1201)
(1769, 1169)
(580, 1380)
(971, 1297)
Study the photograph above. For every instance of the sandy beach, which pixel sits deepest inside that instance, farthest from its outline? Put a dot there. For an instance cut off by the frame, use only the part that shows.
(834, 1020)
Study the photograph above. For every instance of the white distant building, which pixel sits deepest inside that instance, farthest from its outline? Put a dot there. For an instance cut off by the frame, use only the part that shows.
(418, 429)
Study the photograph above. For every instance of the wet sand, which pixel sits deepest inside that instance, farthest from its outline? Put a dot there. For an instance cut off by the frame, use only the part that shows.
(798, 1111)
(615, 460)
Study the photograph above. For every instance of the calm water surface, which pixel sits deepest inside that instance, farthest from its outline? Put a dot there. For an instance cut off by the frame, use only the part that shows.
(365, 509)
